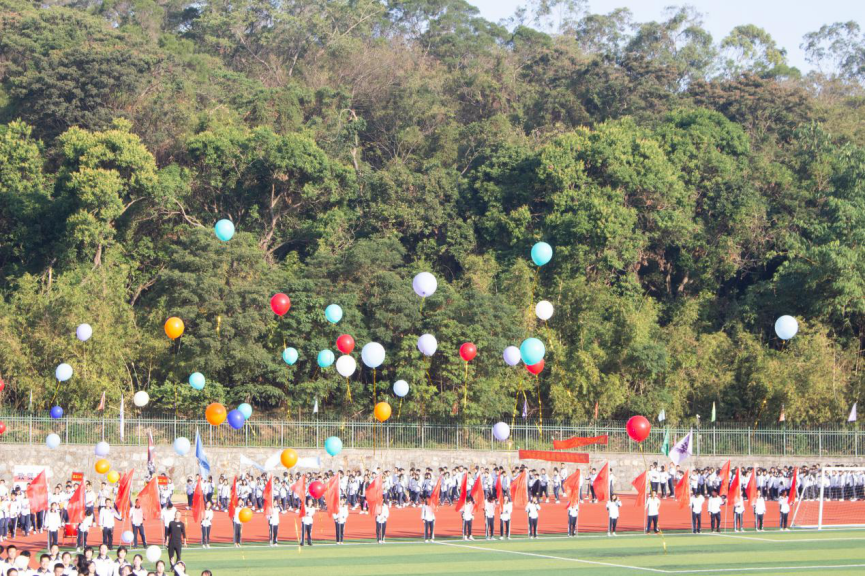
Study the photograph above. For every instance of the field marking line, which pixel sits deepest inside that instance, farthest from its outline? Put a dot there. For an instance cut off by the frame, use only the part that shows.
(783, 540)
(759, 568)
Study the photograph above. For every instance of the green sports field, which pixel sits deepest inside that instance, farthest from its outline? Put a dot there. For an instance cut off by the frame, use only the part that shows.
(829, 552)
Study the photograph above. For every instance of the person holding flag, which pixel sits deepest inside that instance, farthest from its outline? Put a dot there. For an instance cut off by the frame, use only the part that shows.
(206, 524)
(339, 518)
(381, 517)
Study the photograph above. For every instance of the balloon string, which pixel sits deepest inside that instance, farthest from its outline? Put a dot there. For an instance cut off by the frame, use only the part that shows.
(218, 325)
(540, 406)
(374, 389)
(466, 387)
(422, 300)
(517, 402)
(348, 390)
(400, 409)
(532, 293)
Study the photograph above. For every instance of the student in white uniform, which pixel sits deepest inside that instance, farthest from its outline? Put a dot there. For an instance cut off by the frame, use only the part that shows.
(533, 509)
(53, 523)
(738, 514)
(613, 512)
(273, 526)
(785, 510)
(306, 521)
(490, 517)
(653, 510)
(107, 515)
(137, 517)
(759, 511)
(83, 530)
(696, 503)
(505, 518)
(138, 566)
(428, 515)
(238, 527)
(104, 563)
(714, 507)
(573, 514)
(381, 522)
(340, 517)
(468, 516)
(206, 524)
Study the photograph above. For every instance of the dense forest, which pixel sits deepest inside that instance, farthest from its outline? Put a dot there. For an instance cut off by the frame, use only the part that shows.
(693, 189)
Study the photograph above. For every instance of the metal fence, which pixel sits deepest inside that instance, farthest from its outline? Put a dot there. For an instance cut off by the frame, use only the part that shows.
(723, 439)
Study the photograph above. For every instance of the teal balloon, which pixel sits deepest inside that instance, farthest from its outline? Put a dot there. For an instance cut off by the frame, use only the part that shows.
(246, 410)
(333, 445)
(289, 355)
(542, 253)
(325, 358)
(224, 230)
(333, 313)
(532, 351)
(196, 380)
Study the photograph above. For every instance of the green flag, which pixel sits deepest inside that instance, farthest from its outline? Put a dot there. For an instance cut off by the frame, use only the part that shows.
(665, 447)
(713, 411)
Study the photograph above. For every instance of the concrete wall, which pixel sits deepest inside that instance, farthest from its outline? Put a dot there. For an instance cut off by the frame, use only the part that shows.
(71, 458)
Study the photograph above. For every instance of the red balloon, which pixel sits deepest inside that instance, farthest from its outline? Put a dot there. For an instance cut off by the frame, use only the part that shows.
(638, 428)
(536, 368)
(316, 489)
(468, 351)
(2, 384)
(345, 344)
(2, 427)
(280, 304)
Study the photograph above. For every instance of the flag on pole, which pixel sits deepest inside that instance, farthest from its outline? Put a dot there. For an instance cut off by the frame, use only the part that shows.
(121, 417)
(464, 492)
(725, 479)
(37, 493)
(852, 416)
(198, 502)
(102, 402)
(148, 498)
(76, 505)
(232, 500)
(315, 407)
(478, 495)
(331, 494)
(436, 494)
(751, 488)
(735, 492)
(267, 495)
(124, 493)
(374, 496)
(571, 486)
(783, 416)
(640, 484)
(602, 484)
(520, 491)
(794, 487)
(499, 493)
(665, 447)
(682, 449)
(662, 415)
(203, 463)
(683, 490)
(713, 412)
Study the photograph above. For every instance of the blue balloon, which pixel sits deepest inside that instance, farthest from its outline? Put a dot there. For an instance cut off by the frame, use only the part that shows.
(196, 380)
(224, 230)
(289, 355)
(333, 445)
(246, 410)
(542, 253)
(333, 313)
(532, 351)
(325, 358)
(63, 372)
(236, 419)
(57, 412)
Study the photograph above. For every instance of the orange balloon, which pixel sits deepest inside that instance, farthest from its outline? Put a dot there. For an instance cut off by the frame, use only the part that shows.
(382, 411)
(216, 414)
(113, 477)
(102, 466)
(288, 458)
(245, 515)
(174, 327)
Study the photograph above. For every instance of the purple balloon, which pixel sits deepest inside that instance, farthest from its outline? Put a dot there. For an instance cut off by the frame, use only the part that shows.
(512, 356)
(427, 344)
(501, 431)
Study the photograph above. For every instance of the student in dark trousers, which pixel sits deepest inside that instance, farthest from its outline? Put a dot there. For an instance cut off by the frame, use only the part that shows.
(573, 514)
(613, 511)
(532, 509)
(381, 522)
(176, 540)
(306, 522)
(468, 516)
(137, 516)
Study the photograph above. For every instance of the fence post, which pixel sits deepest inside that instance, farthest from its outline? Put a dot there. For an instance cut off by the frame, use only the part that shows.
(422, 429)
(820, 442)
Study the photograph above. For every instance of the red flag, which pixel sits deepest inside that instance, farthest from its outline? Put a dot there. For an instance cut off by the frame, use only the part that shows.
(124, 494)
(792, 495)
(571, 486)
(198, 502)
(554, 456)
(268, 497)
(464, 492)
(499, 493)
(602, 483)
(578, 441)
(683, 490)
(37, 493)
(478, 494)
(735, 492)
(331, 494)
(520, 491)
(374, 496)
(435, 497)
(232, 501)
(640, 484)
(75, 507)
(148, 498)
(751, 488)
(725, 479)
(102, 402)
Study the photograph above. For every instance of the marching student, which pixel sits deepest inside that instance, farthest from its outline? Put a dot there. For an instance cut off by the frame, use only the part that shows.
(468, 515)
(137, 516)
(532, 508)
(238, 527)
(653, 509)
(273, 526)
(505, 518)
(206, 524)
(613, 511)
(759, 511)
(785, 510)
(339, 518)
(573, 513)
(381, 522)
(168, 514)
(83, 529)
(176, 540)
(107, 515)
(697, 501)
(428, 515)
(738, 514)
(490, 516)
(714, 507)
(53, 523)
(306, 521)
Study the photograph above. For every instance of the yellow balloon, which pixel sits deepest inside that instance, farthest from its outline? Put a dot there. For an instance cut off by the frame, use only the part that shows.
(288, 458)
(102, 466)
(382, 411)
(113, 477)
(245, 515)
(174, 327)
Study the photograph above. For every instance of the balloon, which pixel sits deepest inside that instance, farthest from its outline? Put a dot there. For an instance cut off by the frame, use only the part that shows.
(174, 327)
(325, 358)
(84, 332)
(786, 327)
(424, 284)
(3, 427)
(346, 365)
(345, 344)
(542, 253)
(333, 313)
(63, 372)
(52, 441)
(2, 384)
(154, 553)
(113, 477)
(501, 431)
(215, 414)
(56, 412)
(224, 230)
(427, 344)
(638, 428)
(400, 388)
(316, 489)
(468, 351)
(288, 458)
(245, 515)
(236, 419)
(372, 354)
(333, 445)
(182, 446)
(141, 398)
(280, 304)
(102, 466)
(532, 351)
(196, 380)
(102, 449)
(246, 410)
(544, 310)
(289, 355)
(536, 368)
(126, 537)
(382, 411)
(512, 355)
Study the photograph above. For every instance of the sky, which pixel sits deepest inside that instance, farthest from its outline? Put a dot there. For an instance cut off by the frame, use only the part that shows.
(786, 20)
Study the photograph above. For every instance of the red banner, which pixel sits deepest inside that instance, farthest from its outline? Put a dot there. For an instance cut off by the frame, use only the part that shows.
(77, 476)
(579, 441)
(162, 480)
(552, 456)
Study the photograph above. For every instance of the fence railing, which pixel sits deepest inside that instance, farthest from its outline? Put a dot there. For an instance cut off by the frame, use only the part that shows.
(725, 439)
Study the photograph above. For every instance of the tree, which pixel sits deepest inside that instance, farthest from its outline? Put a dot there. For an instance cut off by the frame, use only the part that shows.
(750, 49)
(837, 49)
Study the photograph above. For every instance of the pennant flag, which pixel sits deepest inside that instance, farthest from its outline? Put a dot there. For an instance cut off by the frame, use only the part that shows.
(682, 449)
(149, 500)
(596, 409)
(520, 491)
(578, 441)
(435, 497)
(751, 488)
(464, 492)
(725, 479)
(478, 495)
(102, 402)
(315, 408)
(525, 408)
(662, 415)
(310, 462)
(151, 455)
(268, 497)
(121, 418)
(683, 490)
(713, 412)
(852, 416)
(374, 495)
(124, 493)
(665, 447)
(735, 492)
(640, 484)
(37, 493)
(331, 494)
(76, 505)
(203, 463)
(232, 501)
(783, 416)
(571, 486)
(553, 456)
(794, 487)
(602, 483)
(250, 463)
(499, 493)
(198, 502)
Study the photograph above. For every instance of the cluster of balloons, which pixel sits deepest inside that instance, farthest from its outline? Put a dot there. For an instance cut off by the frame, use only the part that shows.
(531, 353)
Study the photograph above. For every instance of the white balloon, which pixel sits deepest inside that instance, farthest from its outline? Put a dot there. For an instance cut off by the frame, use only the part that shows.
(141, 398)
(786, 327)
(52, 441)
(84, 332)
(424, 284)
(512, 356)
(346, 365)
(154, 553)
(400, 388)
(544, 310)
(102, 449)
(182, 446)
(427, 344)
(372, 354)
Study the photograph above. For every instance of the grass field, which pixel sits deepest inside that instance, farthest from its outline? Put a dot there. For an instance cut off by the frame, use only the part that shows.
(833, 552)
